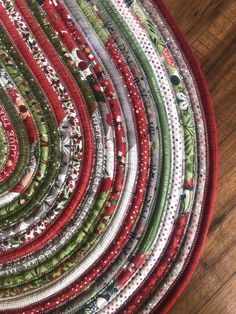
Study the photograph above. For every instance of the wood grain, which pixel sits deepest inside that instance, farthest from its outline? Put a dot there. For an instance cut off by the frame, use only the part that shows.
(210, 28)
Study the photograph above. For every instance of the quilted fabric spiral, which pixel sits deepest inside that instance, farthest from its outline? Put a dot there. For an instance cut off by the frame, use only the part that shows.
(107, 157)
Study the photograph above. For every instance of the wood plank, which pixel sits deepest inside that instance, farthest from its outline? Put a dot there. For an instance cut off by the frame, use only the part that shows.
(218, 303)
(195, 16)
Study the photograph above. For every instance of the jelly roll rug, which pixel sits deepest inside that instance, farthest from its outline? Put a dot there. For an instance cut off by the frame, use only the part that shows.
(108, 157)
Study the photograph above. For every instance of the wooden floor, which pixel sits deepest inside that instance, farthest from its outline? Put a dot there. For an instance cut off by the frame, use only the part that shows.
(210, 27)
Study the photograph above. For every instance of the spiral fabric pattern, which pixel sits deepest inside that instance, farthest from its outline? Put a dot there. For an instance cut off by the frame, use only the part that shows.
(108, 157)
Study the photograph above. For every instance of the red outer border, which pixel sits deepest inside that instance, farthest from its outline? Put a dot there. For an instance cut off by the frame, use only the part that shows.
(207, 107)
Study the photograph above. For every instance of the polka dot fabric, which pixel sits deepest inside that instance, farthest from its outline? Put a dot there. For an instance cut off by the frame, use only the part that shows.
(108, 157)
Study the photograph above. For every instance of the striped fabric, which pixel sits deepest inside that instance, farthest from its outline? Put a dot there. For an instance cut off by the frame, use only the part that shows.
(108, 157)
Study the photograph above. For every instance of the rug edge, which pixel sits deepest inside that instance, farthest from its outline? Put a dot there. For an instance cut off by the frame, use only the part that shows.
(210, 193)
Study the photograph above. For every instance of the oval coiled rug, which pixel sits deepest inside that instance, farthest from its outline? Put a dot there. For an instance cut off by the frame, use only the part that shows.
(108, 157)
